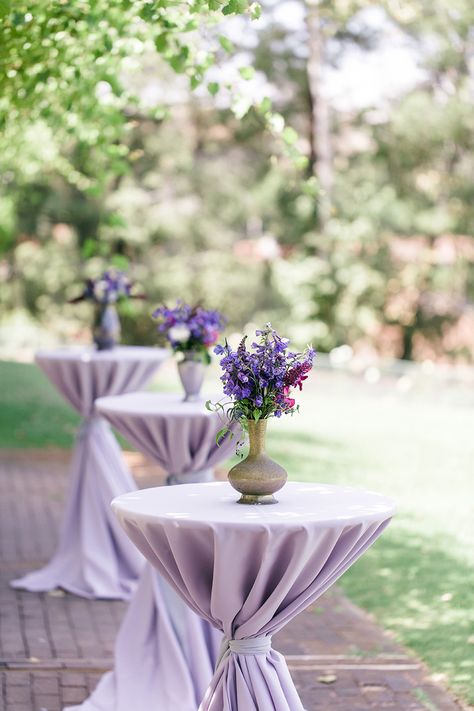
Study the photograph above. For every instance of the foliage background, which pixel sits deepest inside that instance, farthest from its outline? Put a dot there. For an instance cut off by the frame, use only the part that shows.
(206, 151)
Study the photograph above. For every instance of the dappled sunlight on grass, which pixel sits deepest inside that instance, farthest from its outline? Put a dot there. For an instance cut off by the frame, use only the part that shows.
(418, 579)
(309, 458)
(419, 588)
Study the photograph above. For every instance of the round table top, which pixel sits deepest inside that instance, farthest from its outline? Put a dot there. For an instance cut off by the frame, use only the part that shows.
(89, 354)
(299, 504)
(141, 405)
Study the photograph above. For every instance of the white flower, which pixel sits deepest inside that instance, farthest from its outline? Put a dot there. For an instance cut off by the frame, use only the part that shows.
(179, 333)
(101, 293)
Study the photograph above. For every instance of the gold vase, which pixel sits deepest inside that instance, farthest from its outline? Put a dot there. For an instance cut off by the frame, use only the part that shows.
(257, 477)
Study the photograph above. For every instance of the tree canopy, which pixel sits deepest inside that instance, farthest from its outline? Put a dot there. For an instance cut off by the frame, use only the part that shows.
(127, 133)
(72, 63)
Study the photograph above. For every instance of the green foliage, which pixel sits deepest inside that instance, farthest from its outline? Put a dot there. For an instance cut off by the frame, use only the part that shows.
(66, 63)
(92, 173)
(247, 73)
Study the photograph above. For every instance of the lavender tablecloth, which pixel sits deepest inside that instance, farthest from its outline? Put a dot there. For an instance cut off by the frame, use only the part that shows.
(249, 570)
(93, 558)
(164, 653)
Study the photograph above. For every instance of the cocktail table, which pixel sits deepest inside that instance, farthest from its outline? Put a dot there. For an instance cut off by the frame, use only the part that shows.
(249, 570)
(93, 558)
(164, 653)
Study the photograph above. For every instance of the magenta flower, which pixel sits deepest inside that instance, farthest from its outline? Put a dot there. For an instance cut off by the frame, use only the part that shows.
(298, 374)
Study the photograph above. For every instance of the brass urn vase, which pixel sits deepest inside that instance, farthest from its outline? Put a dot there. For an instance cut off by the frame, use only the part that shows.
(257, 477)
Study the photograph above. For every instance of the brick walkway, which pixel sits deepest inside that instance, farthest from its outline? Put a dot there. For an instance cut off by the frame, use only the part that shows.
(54, 647)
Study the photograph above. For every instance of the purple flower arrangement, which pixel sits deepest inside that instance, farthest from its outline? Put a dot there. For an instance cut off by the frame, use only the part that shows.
(259, 380)
(190, 329)
(112, 286)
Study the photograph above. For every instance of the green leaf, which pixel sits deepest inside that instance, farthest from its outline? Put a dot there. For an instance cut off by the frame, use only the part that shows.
(301, 162)
(247, 73)
(265, 105)
(161, 42)
(159, 113)
(178, 62)
(120, 261)
(190, 26)
(18, 19)
(213, 88)
(226, 44)
(89, 248)
(115, 220)
(235, 7)
(289, 135)
(221, 434)
(148, 12)
(255, 11)
(5, 7)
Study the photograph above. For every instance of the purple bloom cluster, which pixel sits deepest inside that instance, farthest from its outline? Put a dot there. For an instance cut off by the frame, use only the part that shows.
(109, 288)
(259, 380)
(189, 328)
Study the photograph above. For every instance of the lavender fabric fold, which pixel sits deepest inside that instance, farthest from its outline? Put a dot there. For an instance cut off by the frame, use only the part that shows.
(180, 436)
(93, 558)
(164, 654)
(250, 570)
(82, 375)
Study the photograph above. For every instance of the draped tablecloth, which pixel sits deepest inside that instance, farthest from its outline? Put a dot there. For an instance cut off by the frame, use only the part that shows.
(164, 653)
(249, 570)
(93, 557)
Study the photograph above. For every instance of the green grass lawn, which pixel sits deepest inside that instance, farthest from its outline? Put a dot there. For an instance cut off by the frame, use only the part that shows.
(32, 414)
(418, 579)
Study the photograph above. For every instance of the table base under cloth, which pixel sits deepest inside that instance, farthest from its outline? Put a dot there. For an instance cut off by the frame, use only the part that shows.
(94, 558)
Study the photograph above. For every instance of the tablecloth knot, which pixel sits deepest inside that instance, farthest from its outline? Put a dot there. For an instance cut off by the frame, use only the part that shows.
(86, 425)
(250, 645)
(191, 477)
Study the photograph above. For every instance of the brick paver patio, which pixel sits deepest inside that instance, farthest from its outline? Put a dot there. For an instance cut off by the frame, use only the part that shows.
(54, 647)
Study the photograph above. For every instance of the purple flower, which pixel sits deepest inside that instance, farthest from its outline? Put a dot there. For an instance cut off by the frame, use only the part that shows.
(190, 328)
(258, 381)
(109, 288)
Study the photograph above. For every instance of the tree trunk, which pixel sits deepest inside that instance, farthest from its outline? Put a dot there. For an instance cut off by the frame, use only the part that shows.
(320, 130)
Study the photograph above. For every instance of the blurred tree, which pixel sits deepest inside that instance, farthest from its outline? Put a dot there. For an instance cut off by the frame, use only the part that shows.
(384, 261)
(400, 170)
